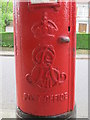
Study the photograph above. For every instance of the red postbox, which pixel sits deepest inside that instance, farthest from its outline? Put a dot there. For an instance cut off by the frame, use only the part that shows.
(45, 48)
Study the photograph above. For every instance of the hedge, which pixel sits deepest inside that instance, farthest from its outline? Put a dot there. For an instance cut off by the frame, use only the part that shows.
(6, 39)
(82, 40)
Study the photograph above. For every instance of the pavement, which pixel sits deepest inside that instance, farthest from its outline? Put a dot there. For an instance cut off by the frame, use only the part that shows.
(7, 85)
(78, 56)
(6, 53)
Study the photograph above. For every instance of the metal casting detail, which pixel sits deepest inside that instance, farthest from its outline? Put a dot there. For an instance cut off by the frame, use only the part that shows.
(45, 28)
(45, 98)
(44, 75)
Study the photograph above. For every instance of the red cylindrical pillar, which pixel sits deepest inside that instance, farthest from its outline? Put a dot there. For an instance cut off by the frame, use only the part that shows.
(45, 49)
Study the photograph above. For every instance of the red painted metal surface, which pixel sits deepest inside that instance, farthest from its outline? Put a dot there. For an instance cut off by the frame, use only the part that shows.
(45, 48)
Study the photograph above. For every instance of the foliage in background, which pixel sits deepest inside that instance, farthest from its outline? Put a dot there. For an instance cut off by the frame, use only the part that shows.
(6, 13)
(7, 39)
(82, 40)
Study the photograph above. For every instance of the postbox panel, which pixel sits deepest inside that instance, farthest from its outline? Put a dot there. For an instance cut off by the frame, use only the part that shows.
(42, 49)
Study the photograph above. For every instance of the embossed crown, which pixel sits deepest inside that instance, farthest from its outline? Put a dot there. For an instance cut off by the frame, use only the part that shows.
(45, 28)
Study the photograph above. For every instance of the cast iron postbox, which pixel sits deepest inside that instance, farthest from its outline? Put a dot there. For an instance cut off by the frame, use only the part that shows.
(45, 48)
